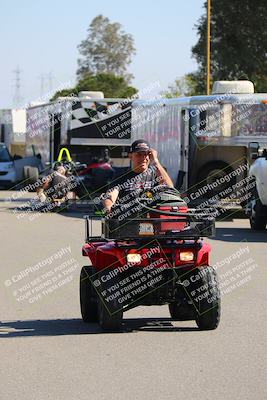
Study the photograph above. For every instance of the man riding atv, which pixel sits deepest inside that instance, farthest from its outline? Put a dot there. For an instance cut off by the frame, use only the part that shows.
(146, 173)
(149, 252)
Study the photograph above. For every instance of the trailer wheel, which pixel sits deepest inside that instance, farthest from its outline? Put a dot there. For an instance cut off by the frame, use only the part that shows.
(256, 219)
(205, 295)
(88, 298)
(211, 173)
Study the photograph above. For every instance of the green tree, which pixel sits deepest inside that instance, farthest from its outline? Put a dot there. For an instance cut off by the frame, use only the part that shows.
(64, 93)
(184, 86)
(238, 43)
(107, 49)
(112, 86)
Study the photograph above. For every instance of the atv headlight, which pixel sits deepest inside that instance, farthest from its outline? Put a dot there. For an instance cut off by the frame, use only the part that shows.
(186, 256)
(133, 258)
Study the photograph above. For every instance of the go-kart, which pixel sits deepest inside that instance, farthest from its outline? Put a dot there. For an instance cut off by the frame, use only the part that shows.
(156, 257)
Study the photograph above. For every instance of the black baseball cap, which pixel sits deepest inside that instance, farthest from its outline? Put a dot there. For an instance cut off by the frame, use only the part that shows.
(139, 145)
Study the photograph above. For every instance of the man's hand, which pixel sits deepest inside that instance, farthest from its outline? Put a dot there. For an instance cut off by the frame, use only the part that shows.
(153, 156)
(161, 172)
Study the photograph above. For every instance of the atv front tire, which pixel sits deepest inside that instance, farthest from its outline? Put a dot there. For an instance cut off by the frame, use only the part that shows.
(207, 301)
(110, 316)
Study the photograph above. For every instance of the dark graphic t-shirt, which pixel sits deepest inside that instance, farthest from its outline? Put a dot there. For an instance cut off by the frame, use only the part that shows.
(131, 187)
(133, 184)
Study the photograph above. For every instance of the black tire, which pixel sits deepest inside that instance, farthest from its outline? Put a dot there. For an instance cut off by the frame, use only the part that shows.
(109, 322)
(181, 311)
(207, 308)
(209, 174)
(88, 297)
(256, 219)
(109, 315)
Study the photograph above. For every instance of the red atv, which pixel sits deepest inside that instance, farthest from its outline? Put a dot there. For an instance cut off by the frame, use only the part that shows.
(155, 258)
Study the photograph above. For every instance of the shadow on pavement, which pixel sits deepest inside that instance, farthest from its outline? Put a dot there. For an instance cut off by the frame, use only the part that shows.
(64, 213)
(57, 327)
(239, 235)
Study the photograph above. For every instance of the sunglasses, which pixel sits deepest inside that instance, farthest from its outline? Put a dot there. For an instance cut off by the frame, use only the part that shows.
(143, 153)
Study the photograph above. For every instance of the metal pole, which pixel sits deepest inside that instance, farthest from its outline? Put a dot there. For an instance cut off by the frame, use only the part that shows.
(208, 46)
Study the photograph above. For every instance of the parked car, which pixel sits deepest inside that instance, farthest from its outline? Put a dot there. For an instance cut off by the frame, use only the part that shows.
(17, 169)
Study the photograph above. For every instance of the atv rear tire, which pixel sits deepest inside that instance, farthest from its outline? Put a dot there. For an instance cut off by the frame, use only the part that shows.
(88, 296)
(207, 301)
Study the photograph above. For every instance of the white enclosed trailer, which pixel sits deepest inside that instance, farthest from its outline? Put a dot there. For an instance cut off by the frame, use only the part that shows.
(13, 129)
(202, 140)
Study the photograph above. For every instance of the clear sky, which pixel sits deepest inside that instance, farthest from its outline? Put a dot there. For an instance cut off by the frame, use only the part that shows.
(42, 37)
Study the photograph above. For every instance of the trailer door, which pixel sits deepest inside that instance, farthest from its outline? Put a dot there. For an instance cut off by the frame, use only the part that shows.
(182, 182)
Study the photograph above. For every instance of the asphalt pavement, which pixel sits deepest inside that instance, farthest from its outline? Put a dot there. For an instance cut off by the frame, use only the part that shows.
(47, 352)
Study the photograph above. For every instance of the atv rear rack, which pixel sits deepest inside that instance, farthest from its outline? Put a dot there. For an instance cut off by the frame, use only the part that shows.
(185, 226)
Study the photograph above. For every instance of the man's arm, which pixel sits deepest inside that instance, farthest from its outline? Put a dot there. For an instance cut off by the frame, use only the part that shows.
(109, 199)
(162, 174)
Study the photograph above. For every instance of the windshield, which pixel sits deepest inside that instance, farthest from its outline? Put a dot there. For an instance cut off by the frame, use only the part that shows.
(249, 120)
(4, 154)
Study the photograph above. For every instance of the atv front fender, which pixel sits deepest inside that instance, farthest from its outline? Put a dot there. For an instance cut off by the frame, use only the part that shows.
(103, 255)
(204, 255)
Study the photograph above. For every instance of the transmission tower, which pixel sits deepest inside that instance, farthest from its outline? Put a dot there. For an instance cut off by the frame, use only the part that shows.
(42, 79)
(50, 77)
(17, 99)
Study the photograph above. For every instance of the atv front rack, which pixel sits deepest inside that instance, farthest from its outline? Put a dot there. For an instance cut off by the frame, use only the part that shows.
(185, 226)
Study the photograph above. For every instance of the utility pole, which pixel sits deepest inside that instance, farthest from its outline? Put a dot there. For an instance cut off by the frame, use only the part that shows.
(208, 45)
(17, 99)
